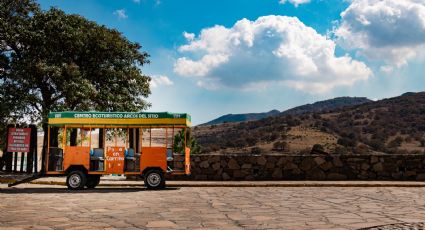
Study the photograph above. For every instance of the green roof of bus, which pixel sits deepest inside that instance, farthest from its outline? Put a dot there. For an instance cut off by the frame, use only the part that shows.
(89, 117)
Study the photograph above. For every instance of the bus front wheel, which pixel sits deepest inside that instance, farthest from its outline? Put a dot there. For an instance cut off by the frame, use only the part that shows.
(154, 179)
(76, 180)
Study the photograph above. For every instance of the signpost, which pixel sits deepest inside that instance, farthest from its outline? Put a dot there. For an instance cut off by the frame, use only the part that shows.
(19, 140)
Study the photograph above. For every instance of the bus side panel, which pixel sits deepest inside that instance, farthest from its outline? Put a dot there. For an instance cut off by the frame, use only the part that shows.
(153, 157)
(187, 160)
(76, 155)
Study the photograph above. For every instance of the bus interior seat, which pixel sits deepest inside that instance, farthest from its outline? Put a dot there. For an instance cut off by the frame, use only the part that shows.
(96, 159)
(96, 154)
(129, 154)
(170, 154)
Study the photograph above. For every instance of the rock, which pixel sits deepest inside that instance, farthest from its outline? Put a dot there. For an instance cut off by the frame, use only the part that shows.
(374, 159)
(326, 166)
(337, 162)
(238, 174)
(420, 177)
(250, 177)
(336, 176)
(410, 173)
(215, 158)
(316, 174)
(319, 160)
(365, 166)
(277, 174)
(225, 176)
(306, 164)
(261, 160)
(290, 166)
(204, 164)
(216, 166)
(281, 161)
(378, 167)
(201, 177)
(269, 165)
(246, 166)
(233, 164)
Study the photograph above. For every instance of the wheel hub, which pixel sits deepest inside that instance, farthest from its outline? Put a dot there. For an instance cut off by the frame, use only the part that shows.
(74, 181)
(154, 179)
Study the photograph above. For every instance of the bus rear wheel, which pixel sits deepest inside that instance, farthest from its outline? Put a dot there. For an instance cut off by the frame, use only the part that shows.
(76, 180)
(154, 179)
(92, 181)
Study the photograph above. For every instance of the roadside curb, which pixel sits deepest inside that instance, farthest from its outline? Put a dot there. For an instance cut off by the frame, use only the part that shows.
(244, 184)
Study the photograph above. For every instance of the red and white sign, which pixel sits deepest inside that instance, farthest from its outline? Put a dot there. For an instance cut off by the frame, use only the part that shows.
(19, 140)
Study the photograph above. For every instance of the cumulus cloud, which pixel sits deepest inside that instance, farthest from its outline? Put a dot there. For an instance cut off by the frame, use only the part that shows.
(273, 50)
(159, 80)
(120, 14)
(294, 2)
(388, 30)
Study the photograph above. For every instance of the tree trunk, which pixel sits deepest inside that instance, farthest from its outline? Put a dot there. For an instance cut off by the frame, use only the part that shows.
(44, 150)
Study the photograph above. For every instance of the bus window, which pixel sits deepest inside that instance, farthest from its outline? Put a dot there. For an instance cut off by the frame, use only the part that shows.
(158, 138)
(146, 137)
(116, 137)
(83, 137)
(170, 138)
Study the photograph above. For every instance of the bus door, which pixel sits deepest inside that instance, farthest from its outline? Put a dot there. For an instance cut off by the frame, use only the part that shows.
(154, 150)
(76, 144)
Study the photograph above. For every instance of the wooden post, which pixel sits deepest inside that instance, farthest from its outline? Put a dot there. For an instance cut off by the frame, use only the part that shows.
(15, 161)
(21, 168)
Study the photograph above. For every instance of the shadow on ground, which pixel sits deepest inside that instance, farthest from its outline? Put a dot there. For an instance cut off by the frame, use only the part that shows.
(65, 190)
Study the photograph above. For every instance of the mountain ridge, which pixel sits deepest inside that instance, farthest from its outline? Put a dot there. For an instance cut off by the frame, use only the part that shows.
(318, 106)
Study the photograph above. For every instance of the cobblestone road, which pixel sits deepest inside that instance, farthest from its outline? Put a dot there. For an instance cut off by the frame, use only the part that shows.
(53, 207)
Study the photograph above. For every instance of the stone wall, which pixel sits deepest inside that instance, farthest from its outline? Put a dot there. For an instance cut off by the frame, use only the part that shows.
(311, 167)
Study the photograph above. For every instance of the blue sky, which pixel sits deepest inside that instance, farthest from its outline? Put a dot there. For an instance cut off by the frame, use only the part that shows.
(210, 58)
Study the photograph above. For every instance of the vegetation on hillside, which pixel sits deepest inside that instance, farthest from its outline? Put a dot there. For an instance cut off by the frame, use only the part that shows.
(395, 125)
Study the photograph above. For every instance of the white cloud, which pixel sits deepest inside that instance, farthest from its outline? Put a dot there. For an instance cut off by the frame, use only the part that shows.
(188, 36)
(296, 3)
(272, 50)
(389, 30)
(120, 14)
(159, 80)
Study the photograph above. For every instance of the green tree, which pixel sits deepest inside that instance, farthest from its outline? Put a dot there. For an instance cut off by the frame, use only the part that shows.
(179, 143)
(52, 61)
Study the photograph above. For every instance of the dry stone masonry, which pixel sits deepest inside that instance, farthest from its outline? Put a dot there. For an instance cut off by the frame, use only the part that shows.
(311, 167)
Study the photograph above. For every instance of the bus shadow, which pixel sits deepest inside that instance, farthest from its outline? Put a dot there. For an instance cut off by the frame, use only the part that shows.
(65, 190)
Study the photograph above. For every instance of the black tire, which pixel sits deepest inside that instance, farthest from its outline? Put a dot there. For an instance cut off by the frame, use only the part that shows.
(154, 179)
(76, 180)
(92, 181)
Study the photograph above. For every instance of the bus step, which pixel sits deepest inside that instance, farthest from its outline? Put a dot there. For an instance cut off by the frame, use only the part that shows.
(25, 180)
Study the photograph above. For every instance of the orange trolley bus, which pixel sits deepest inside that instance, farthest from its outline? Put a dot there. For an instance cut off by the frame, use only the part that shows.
(85, 145)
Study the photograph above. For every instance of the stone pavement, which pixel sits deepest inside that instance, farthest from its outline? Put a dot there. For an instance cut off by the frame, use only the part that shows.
(34, 206)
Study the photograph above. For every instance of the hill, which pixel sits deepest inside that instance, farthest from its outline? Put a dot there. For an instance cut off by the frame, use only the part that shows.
(325, 105)
(394, 125)
(242, 117)
(319, 106)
